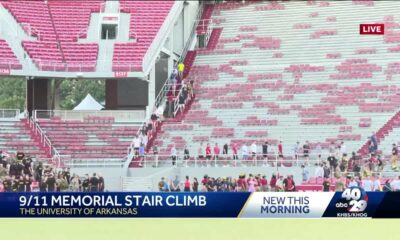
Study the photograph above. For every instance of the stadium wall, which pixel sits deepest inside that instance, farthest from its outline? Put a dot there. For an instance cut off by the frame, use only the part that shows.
(154, 175)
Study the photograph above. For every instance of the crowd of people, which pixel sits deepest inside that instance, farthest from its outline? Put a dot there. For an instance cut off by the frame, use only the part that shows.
(277, 183)
(22, 174)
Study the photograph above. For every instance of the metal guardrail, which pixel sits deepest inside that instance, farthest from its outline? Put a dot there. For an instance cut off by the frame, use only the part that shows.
(118, 116)
(9, 113)
(272, 160)
(45, 141)
(68, 162)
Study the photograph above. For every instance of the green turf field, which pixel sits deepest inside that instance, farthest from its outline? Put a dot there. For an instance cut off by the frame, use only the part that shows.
(204, 229)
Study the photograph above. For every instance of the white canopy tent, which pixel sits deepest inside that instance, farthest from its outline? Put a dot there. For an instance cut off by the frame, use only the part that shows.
(89, 103)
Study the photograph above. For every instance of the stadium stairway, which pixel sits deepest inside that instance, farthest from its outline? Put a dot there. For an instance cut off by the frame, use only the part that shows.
(386, 136)
(291, 79)
(17, 136)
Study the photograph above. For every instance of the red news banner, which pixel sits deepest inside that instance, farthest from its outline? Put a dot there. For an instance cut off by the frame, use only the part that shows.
(372, 29)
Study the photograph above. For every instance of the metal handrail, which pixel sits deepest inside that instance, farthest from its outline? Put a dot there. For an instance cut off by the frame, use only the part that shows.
(45, 140)
(271, 159)
(3, 114)
(133, 116)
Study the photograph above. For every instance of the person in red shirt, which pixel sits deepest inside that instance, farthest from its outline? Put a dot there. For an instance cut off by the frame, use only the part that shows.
(208, 153)
(216, 153)
(280, 149)
(272, 182)
(187, 184)
(235, 154)
(264, 184)
(204, 182)
(241, 183)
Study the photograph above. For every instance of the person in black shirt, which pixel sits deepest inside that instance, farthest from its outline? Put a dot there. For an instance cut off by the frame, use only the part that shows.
(94, 183)
(39, 172)
(13, 171)
(327, 171)
(67, 175)
(225, 149)
(42, 186)
(101, 183)
(19, 169)
(85, 184)
(51, 183)
(20, 184)
(27, 183)
(7, 183)
(27, 162)
(195, 185)
(265, 150)
(210, 185)
(186, 155)
(326, 185)
(333, 162)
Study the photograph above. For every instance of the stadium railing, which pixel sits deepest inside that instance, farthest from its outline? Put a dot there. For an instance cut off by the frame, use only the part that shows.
(227, 160)
(9, 114)
(45, 141)
(136, 116)
(82, 163)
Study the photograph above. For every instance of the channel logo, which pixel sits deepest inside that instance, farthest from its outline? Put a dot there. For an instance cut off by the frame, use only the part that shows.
(372, 29)
(352, 203)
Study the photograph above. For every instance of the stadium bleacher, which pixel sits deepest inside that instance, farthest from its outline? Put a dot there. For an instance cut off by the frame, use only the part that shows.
(57, 25)
(303, 74)
(92, 139)
(145, 21)
(8, 60)
(292, 71)
(16, 136)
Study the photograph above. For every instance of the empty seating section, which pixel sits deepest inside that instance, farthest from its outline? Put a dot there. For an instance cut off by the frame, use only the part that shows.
(94, 138)
(71, 18)
(16, 136)
(57, 25)
(34, 18)
(303, 73)
(145, 22)
(8, 60)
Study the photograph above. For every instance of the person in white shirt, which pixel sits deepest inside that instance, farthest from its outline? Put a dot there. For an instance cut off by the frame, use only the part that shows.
(343, 148)
(296, 150)
(159, 112)
(279, 184)
(245, 152)
(319, 171)
(173, 155)
(367, 184)
(253, 149)
(377, 184)
(353, 183)
(136, 144)
(396, 185)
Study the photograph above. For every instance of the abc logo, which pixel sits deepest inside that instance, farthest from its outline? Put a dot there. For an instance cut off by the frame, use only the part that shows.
(356, 199)
(342, 205)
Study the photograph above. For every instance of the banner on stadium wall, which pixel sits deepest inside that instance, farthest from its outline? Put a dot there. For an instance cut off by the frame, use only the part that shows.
(353, 202)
